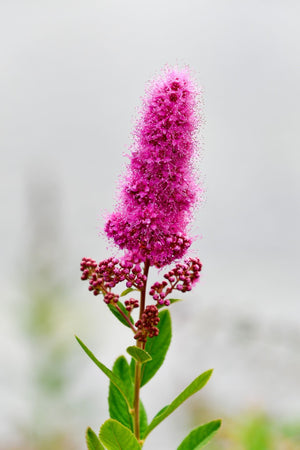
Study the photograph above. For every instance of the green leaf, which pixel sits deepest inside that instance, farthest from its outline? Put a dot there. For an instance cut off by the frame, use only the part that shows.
(138, 354)
(171, 300)
(117, 437)
(127, 291)
(118, 315)
(200, 436)
(92, 440)
(157, 347)
(118, 408)
(113, 377)
(161, 411)
(192, 388)
(143, 420)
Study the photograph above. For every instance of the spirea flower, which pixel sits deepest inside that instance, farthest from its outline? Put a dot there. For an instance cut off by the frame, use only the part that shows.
(159, 191)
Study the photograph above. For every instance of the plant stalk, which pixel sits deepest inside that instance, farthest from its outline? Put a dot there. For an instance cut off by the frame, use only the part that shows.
(143, 291)
(126, 318)
(138, 365)
(137, 384)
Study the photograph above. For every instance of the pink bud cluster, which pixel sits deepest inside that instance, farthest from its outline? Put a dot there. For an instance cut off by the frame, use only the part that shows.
(109, 297)
(147, 325)
(108, 273)
(181, 278)
(160, 189)
(131, 304)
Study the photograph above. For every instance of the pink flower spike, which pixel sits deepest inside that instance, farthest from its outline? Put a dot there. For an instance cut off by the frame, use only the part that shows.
(159, 191)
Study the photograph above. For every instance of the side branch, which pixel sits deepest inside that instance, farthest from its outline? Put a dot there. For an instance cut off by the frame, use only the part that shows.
(126, 318)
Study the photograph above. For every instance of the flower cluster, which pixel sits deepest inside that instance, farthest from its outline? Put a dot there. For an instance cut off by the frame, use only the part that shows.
(181, 278)
(108, 273)
(131, 304)
(147, 324)
(159, 191)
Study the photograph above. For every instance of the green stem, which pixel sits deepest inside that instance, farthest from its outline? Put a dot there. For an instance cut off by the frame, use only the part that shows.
(138, 365)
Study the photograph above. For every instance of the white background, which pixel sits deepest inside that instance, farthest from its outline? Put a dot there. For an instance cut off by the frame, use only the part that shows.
(71, 77)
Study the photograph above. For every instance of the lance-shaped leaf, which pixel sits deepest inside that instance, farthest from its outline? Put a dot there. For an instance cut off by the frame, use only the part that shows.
(113, 377)
(143, 420)
(138, 354)
(157, 348)
(117, 437)
(127, 291)
(118, 315)
(200, 436)
(192, 388)
(118, 408)
(92, 440)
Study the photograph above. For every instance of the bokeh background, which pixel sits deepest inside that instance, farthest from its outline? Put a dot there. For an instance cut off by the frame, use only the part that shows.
(71, 77)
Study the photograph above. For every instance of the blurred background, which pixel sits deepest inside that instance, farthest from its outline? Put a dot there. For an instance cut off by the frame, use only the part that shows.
(71, 77)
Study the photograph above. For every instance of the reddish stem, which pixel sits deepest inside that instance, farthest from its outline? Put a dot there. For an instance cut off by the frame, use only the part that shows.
(143, 291)
(126, 318)
(138, 365)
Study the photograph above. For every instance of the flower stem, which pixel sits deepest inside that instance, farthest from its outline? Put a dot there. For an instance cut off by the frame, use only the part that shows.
(126, 318)
(138, 365)
(143, 291)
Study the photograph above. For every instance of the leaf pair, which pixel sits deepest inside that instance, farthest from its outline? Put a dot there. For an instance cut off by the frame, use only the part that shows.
(117, 437)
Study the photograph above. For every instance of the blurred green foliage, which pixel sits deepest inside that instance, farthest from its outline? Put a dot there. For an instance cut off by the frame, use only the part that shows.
(256, 431)
(44, 314)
